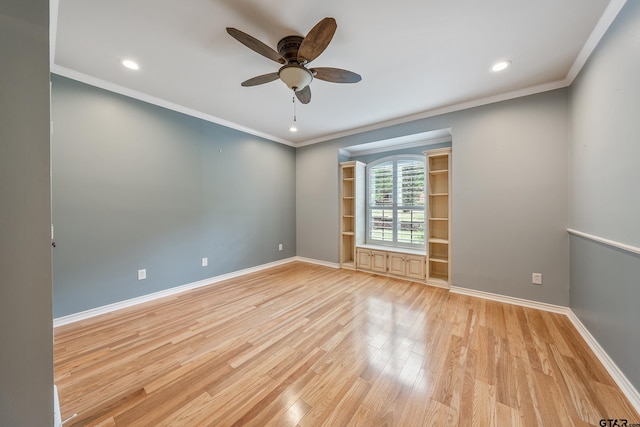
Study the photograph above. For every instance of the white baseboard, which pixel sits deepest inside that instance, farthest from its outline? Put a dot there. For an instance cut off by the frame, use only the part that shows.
(317, 262)
(83, 315)
(512, 300)
(620, 379)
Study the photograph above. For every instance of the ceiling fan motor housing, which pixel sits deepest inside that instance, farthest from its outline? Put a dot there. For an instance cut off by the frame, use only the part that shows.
(293, 74)
(288, 47)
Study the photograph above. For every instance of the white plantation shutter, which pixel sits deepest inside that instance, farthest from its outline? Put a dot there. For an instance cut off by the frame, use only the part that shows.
(381, 202)
(396, 201)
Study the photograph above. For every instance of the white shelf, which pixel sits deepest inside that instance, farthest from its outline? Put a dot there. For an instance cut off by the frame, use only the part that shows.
(351, 210)
(442, 241)
(438, 217)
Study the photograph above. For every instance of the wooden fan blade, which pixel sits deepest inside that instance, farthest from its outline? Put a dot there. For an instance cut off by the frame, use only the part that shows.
(255, 45)
(304, 95)
(335, 75)
(317, 40)
(259, 80)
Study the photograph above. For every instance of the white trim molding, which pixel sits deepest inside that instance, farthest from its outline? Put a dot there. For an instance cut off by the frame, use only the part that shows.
(83, 315)
(618, 377)
(316, 262)
(87, 314)
(511, 300)
(531, 90)
(122, 90)
(612, 243)
(596, 35)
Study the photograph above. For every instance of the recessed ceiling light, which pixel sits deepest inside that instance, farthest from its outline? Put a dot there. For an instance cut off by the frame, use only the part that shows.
(499, 66)
(130, 64)
(293, 129)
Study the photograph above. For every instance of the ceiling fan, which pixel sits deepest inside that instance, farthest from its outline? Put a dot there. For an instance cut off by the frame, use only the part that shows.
(295, 52)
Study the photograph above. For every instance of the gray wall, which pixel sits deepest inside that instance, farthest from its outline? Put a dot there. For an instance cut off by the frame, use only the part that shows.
(605, 197)
(138, 186)
(605, 296)
(510, 191)
(26, 357)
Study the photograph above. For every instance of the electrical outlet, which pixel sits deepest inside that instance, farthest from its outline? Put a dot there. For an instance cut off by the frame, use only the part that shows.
(280, 246)
(205, 262)
(142, 274)
(536, 278)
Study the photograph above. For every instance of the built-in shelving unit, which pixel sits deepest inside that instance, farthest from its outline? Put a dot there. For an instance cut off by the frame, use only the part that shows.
(439, 217)
(352, 176)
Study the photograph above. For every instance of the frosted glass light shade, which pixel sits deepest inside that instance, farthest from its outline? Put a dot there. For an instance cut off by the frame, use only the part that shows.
(295, 76)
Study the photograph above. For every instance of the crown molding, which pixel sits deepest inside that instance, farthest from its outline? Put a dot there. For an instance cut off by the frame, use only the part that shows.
(112, 87)
(532, 90)
(391, 147)
(605, 21)
(53, 30)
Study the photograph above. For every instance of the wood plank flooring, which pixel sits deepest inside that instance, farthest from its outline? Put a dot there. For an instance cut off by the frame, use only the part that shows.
(305, 345)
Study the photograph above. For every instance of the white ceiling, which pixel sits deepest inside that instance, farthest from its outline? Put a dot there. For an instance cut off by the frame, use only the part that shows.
(416, 57)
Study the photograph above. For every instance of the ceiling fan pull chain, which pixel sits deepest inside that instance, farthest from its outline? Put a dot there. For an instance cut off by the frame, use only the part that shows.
(293, 99)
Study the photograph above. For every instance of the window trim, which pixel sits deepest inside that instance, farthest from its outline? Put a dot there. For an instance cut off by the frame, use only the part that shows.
(394, 159)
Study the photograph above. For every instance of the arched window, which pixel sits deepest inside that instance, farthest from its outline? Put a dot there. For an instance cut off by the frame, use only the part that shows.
(396, 201)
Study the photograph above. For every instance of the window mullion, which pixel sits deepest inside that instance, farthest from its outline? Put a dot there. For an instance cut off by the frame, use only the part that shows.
(394, 198)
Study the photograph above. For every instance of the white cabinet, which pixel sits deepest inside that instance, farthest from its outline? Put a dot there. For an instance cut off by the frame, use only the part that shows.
(407, 265)
(397, 264)
(379, 261)
(373, 260)
(363, 259)
(415, 266)
(392, 263)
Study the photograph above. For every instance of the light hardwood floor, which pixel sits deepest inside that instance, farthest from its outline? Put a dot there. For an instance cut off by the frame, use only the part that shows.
(307, 345)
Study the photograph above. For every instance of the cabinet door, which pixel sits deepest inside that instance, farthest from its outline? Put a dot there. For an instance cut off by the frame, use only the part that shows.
(363, 259)
(415, 266)
(396, 264)
(379, 261)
